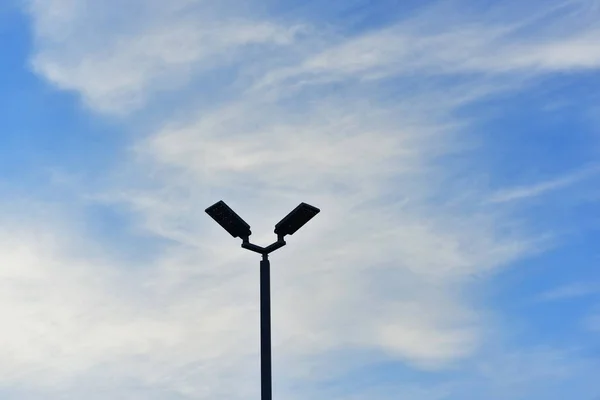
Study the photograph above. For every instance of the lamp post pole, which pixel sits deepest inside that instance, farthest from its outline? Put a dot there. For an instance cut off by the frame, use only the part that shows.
(266, 388)
(265, 313)
(265, 328)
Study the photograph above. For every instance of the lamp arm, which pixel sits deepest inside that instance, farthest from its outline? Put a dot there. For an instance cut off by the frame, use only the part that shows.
(263, 250)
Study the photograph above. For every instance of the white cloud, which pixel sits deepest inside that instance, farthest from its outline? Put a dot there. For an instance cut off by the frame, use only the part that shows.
(383, 267)
(168, 45)
(381, 277)
(115, 63)
(71, 315)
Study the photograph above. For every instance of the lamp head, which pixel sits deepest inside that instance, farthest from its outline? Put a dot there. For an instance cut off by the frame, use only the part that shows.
(296, 219)
(229, 220)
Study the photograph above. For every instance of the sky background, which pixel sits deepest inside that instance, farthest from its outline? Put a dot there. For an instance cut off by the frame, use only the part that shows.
(452, 147)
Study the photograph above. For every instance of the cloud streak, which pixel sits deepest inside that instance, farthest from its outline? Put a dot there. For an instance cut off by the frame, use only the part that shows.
(567, 292)
(539, 189)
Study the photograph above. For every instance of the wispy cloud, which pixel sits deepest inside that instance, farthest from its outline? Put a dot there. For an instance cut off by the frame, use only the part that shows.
(386, 265)
(160, 50)
(542, 188)
(567, 292)
(592, 322)
(439, 42)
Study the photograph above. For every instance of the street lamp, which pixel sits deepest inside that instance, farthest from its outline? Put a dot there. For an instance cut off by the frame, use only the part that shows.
(237, 227)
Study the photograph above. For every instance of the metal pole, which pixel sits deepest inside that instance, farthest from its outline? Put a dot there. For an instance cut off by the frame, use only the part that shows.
(265, 329)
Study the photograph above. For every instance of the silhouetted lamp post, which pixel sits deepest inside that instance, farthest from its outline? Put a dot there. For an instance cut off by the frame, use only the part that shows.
(237, 227)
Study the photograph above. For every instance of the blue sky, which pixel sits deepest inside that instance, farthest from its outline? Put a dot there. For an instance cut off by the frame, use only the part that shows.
(452, 146)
